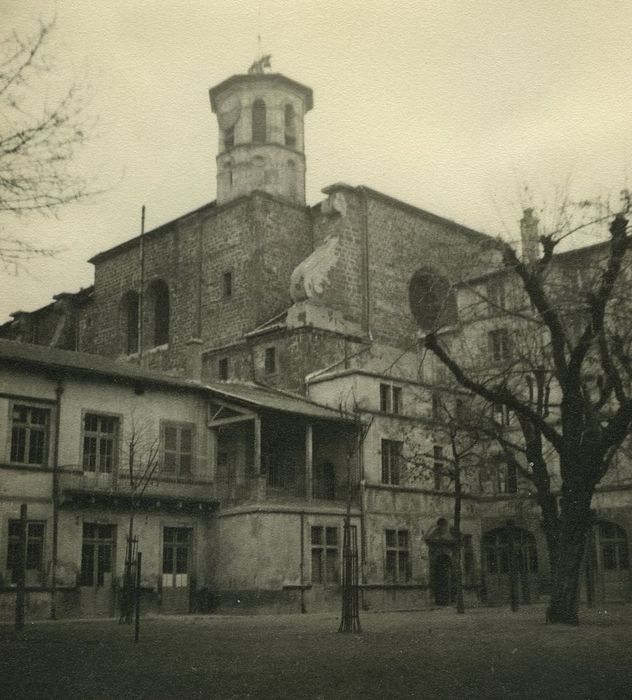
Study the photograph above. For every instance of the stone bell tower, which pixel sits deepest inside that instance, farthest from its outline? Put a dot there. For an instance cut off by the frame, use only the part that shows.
(261, 146)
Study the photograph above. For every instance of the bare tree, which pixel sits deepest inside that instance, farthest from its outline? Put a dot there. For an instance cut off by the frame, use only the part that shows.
(41, 128)
(143, 460)
(457, 424)
(561, 360)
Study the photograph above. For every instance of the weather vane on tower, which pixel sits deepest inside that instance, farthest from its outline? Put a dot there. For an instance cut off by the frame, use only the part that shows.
(264, 60)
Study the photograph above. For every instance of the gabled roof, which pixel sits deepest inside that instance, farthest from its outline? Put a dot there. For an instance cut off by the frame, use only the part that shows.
(276, 400)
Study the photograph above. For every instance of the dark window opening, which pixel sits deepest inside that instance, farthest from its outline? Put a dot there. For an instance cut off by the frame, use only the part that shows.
(227, 284)
(390, 399)
(259, 121)
(398, 561)
(97, 555)
(177, 450)
(499, 345)
(176, 551)
(391, 461)
(270, 361)
(159, 294)
(34, 553)
(100, 443)
(325, 567)
(290, 126)
(223, 368)
(29, 435)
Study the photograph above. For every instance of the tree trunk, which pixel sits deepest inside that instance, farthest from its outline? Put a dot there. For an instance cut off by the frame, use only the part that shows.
(551, 525)
(458, 497)
(575, 522)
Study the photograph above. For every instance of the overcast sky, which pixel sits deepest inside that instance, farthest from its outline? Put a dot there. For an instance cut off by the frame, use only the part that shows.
(448, 105)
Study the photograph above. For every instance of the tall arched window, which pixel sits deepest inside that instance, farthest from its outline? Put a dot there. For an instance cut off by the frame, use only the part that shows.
(258, 121)
(228, 169)
(129, 321)
(290, 126)
(159, 300)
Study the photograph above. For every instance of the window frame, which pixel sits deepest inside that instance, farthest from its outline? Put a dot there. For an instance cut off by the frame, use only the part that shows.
(391, 461)
(390, 398)
(398, 552)
(116, 447)
(13, 541)
(499, 344)
(29, 427)
(270, 364)
(176, 473)
(326, 576)
(259, 117)
(222, 369)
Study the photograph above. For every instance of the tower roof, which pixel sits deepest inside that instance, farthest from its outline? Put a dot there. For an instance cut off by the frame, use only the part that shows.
(252, 78)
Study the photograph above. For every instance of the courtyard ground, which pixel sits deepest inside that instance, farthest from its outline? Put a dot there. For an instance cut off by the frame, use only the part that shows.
(486, 653)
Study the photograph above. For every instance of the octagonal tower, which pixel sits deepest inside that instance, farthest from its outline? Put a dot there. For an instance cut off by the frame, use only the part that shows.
(261, 135)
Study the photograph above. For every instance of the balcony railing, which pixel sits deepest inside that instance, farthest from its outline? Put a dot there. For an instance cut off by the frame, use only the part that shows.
(193, 487)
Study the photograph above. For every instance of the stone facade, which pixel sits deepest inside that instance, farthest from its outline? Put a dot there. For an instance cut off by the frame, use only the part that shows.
(258, 290)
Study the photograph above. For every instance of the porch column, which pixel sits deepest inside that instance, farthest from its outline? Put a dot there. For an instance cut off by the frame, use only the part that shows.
(257, 454)
(309, 451)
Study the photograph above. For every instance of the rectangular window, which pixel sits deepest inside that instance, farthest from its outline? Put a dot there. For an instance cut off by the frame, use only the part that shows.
(499, 344)
(270, 361)
(390, 399)
(437, 409)
(177, 450)
(97, 554)
(223, 368)
(100, 443)
(325, 566)
(227, 284)
(391, 461)
(29, 434)
(397, 568)
(34, 551)
(176, 551)
(438, 467)
(506, 478)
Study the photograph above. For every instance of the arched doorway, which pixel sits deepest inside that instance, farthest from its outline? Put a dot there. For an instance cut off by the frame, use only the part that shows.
(442, 578)
(509, 553)
(608, 566)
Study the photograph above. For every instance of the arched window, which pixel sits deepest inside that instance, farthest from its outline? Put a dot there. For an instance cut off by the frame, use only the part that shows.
(129, 321)
(432, 300)
(291, 177)
(290, 126)
(496, 548)
(159, 300)
(258, 121)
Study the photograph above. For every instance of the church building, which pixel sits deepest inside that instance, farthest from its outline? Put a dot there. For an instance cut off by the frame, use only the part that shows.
(239, 379)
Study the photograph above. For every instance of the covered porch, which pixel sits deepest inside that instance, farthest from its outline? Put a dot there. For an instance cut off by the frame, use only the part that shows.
(273, 446)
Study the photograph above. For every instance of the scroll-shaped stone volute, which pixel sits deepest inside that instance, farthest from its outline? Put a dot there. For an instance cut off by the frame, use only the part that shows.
(312, 277)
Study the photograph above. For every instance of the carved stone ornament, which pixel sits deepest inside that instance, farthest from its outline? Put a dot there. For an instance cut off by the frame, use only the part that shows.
(312, 277)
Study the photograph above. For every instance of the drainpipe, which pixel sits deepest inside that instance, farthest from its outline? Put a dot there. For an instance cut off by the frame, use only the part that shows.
(59, 390)
(302, 567)
(141, 253)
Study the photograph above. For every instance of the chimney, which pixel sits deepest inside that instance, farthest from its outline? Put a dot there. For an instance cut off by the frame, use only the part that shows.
(529, 235)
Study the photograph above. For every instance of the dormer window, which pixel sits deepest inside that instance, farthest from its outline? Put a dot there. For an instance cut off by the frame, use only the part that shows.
(259, 121)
